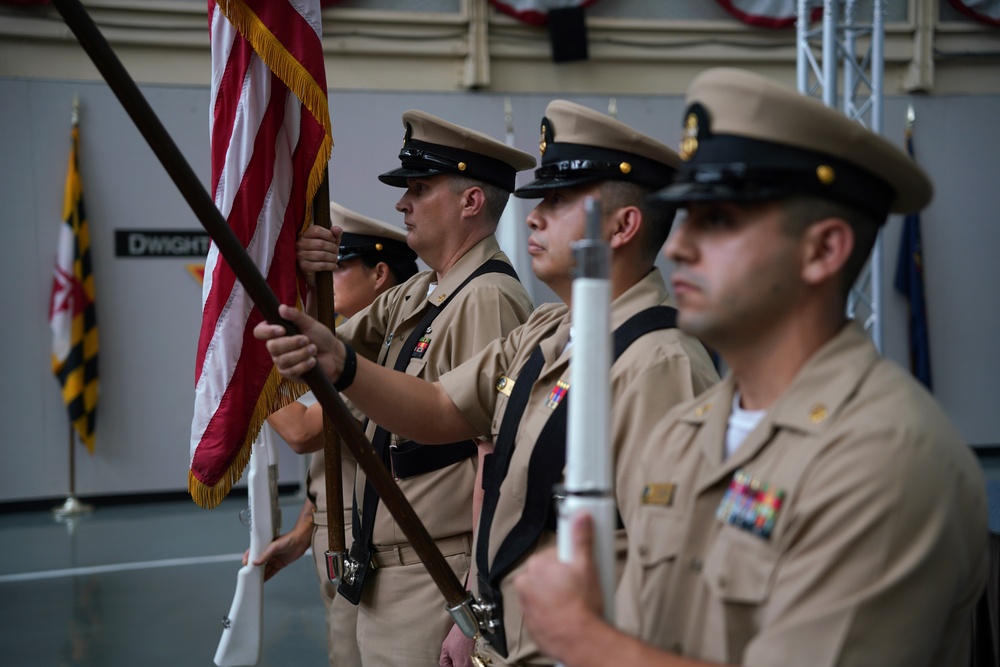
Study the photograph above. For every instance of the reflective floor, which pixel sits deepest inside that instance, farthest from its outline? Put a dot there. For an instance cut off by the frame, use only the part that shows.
(145, 584)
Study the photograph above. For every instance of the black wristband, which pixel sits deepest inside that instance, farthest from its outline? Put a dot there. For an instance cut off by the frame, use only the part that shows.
(350, 368)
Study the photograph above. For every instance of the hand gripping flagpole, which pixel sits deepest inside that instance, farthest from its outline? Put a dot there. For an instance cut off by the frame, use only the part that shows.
(459, 601)
(589, 483)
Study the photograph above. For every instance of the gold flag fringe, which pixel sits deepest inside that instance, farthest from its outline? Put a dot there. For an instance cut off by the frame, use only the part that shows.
(276, 394)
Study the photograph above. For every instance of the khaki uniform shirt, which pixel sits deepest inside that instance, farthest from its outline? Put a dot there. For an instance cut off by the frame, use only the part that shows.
(486, 309)
(859, 537)
(316, 479)
(657, 371)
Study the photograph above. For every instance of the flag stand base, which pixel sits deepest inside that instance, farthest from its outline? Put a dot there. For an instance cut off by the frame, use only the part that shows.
(71, 508)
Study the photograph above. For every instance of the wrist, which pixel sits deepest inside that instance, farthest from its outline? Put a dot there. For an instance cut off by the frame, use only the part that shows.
(350, 368)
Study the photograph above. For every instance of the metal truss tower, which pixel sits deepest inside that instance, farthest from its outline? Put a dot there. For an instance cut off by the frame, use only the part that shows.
(828, 56)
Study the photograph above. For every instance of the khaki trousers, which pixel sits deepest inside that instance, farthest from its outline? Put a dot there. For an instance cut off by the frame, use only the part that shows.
(402, 619)
(341, 615)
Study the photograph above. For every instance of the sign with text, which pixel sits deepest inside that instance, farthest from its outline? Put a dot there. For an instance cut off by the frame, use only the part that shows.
(161, 243)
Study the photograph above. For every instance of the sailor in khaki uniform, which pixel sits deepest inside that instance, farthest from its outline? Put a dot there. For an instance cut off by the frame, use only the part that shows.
(373, 257)
(457, 183)
(817, 507)
(514, 391)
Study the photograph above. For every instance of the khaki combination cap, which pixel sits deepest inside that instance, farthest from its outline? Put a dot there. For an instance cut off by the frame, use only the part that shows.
(368, 237)
(434, 146)
(579, 146)
(748, 138)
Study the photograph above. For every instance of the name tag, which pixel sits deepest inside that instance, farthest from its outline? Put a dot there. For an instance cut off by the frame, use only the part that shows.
(658, 494)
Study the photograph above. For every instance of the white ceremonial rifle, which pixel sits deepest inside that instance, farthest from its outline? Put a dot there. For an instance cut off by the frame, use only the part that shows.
(242, 633)
(589, 485)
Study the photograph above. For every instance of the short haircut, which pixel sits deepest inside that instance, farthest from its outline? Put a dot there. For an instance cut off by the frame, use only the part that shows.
(402, 269)
(802, 211)
(496, 197)
(656, 219)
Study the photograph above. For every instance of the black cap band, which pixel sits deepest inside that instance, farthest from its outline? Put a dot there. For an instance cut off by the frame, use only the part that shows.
(363, 245)
(570, 165)
(420, 158)
(733, 168)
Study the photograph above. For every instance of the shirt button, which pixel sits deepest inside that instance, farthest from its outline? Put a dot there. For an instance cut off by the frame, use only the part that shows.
(643, 550)
(696, 564)
(723, 582)
(677, 648)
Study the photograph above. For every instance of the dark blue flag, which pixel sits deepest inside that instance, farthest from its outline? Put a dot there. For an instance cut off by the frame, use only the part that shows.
(910, 283)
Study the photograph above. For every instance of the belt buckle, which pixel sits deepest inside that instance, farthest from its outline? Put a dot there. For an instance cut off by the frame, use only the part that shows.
(480, 660)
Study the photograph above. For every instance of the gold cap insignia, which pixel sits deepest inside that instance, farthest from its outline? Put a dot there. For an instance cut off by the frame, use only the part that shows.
(625, 167)
(826, 174)
(689, 144)
(378, 246)
(462, 166)
(542, 144)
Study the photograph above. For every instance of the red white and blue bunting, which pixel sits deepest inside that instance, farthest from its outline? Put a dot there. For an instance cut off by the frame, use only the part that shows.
(770, 13)
(985, 11)
(536, 12)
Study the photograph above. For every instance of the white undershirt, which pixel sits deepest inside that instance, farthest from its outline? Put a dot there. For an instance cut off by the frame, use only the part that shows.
(741, 423)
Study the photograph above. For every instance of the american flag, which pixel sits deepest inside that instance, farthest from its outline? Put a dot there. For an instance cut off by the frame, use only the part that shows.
(271, 141)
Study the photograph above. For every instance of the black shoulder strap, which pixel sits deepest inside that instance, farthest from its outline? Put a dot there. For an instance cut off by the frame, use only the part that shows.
(495, 465)
(548, 458)
(363, 526)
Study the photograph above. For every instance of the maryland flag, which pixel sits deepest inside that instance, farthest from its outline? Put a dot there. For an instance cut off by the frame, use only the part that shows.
(72, 313)
(271, 141)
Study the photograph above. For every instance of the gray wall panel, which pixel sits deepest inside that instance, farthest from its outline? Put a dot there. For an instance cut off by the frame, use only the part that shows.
(149, 309)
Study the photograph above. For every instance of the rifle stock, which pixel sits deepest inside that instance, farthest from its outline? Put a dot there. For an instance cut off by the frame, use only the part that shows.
(242, 633)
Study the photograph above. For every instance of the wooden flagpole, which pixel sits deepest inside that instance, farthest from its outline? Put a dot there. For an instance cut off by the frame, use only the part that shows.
(138, 109)
(337, 550)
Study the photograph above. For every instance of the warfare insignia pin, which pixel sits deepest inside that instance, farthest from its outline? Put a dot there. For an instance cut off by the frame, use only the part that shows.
(557, 394)
(750, 505)
(418, 351)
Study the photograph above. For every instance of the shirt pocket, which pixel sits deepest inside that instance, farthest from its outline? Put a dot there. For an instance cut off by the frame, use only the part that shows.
(740, 575)
(416, 367)
(739, 567)
(660, 536)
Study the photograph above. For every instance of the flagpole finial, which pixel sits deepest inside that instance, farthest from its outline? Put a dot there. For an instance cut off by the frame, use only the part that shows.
(75, 116)
(508, 115)
(911, 119)
(613, 107)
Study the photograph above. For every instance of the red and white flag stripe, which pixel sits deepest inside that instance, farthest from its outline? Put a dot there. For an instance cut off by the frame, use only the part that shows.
(270, 133)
